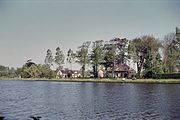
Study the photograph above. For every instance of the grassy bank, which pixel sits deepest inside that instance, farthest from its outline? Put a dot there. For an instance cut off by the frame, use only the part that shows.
(160, 81)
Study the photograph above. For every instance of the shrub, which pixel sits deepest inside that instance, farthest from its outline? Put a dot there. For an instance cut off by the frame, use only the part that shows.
(166, 76)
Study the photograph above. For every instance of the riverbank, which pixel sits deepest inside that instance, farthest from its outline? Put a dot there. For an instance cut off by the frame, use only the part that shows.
(105, 80)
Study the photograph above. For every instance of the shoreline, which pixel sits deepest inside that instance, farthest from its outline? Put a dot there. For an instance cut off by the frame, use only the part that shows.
(104, 80)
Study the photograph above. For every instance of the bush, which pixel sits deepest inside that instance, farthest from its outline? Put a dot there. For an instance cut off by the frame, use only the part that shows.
(166, 76)
(147, 74)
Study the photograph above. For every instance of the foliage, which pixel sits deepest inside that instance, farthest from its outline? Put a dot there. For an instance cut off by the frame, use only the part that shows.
(12, 72)
(7, 72)
(167, 76)
(30, 70)
(3, 71)
(70, 57)
(49, 58)
(154, 67)
(121, 47)
(110, 56)
(83, 56)
(143, 51)
(59, 58)
(158, 66)
(171, 51)
(46, 72)
(97, 56)
(115, 53)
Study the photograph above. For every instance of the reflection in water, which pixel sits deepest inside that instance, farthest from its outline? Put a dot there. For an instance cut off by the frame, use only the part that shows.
(89, 101)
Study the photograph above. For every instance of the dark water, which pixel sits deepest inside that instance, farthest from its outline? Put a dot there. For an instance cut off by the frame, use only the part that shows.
(89, 101)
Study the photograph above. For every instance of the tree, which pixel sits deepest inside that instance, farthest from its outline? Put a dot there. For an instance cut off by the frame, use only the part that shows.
(59, 58)
(12, 72)
(158, 66)
(153, 67)
(121, 49)
(115, 53)
(19, 71)
(97, 56)
(143, 51)
(83, 56)
(45, 71)
(30, 70)
(49, 58)
(4, 71)
(110, 56)
(70, 57)
(171, 52)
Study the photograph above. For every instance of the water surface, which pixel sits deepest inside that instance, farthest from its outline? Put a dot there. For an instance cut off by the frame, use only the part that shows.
(89, 101)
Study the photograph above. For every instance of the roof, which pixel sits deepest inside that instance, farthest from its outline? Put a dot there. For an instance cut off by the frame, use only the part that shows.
(119, 67)
(66, 71)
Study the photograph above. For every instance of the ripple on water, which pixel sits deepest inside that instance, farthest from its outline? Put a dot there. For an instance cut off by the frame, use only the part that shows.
(89, 101)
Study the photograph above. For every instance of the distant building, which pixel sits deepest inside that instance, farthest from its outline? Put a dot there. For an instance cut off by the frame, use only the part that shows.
(76, 73)
(100, 73)
(59, 74)
(121, 71)
(66, 73)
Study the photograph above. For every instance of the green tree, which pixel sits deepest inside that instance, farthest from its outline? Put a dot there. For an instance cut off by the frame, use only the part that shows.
(143, 51)
(32, 71)
(110, 56)
(45, 71)
(19, 72)
(97, 56)
(115, 53)
(4, 71)
(70, 57)
(59, 58)
(171, 52)
(29, 70)
(152, 67)
(158, 66)
(49, 58)
(83, 56)
(121, 49)
(12, 72)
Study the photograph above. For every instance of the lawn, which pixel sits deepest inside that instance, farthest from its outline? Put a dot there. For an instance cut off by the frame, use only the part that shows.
(104, 80)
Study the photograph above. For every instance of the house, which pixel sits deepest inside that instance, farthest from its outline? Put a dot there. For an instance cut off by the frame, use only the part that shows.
(76, 74)
(59, 74)
(66, 73)
(100, 73)
(121, 71)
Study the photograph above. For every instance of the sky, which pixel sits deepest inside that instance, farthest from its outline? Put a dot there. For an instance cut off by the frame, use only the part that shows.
(29, 28)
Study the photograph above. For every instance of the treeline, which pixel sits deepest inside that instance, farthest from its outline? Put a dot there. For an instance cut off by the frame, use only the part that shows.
(150, 55)
(7, 72)
(145, 51)
(28, 71)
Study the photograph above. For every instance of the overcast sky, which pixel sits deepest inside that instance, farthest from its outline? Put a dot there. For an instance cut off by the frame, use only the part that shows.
(29, 28)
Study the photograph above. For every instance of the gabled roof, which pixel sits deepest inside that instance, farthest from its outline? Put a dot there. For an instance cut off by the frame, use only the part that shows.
(119, 67)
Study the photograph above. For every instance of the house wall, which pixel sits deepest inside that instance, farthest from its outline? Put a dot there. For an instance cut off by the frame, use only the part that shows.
(132, 64)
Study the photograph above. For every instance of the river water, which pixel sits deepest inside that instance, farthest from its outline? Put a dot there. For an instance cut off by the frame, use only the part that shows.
(89, 101)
